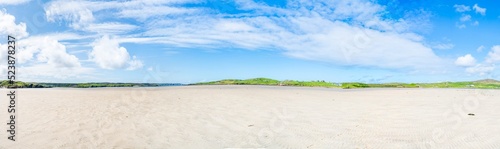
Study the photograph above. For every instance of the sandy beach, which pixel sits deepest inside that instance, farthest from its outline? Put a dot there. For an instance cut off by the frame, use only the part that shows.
(253, 117)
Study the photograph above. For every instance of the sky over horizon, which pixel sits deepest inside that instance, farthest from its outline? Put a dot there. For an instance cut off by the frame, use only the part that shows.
(187, 41)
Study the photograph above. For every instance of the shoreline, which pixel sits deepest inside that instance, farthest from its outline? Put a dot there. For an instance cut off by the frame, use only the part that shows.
(261, 86)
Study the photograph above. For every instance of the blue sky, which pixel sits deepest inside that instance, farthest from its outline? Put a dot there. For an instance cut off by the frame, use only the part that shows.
(189, 41)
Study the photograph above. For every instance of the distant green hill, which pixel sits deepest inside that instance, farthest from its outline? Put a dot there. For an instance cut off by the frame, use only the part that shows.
(267, 81)
(19, 84)
(256, 81)
(482, 84)
(491, 81)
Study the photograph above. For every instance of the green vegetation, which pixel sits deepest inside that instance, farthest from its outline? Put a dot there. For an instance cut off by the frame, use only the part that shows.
(256, 81)
(354, 85)
(94, 85)
(266, 81)
(481, 84)
(308, 83)
(19, 84)
(384, 85)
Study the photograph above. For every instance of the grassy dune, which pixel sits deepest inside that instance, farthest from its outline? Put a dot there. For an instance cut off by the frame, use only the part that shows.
(482, 84)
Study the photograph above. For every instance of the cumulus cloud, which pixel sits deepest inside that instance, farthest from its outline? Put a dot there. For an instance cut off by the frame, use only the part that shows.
(108, 54)
(484, 68)
(41, 56)
(465, 61)
(461, 8)
(8, 26)
(479, 10)
(44, 49)
(494, 55)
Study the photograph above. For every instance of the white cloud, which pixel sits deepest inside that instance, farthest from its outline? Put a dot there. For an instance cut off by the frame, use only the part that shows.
(150, 11)
(486, 67)
(63, 36)
(134, 64)
(446, 46)
(8, 26)
(465, 61)
(480, 69)
(302, 30)
(81, 13)
(480, 48)
(418, 20)
(479, 10)
(77, 12)
(108, 54)
(110, 28)
(44, 49)
(3, 58)
(494, 55)
(314, 38)
(44, 58)
(461, 8)
(41, 56)
(465, 18)
(13, 2)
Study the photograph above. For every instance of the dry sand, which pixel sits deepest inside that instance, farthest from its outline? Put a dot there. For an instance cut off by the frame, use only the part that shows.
(253, 117)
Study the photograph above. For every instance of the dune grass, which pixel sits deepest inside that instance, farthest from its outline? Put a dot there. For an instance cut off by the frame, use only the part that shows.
(482, 84)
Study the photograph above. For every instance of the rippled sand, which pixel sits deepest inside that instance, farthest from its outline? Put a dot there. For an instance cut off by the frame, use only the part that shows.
(254, 117)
